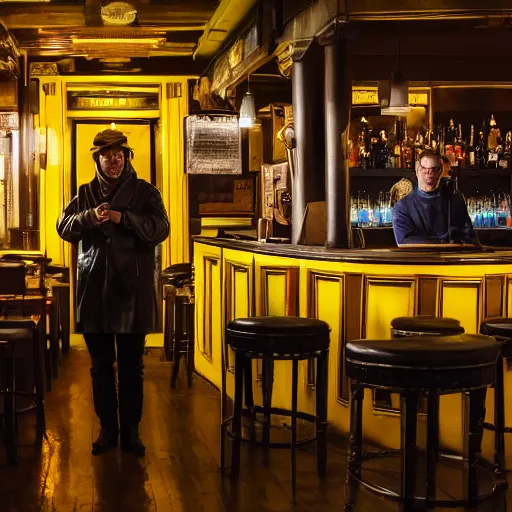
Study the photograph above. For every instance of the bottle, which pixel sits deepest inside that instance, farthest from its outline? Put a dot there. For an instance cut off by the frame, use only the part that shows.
(457, 149)
(407, 162)
(493, 142)
(501, 216)
(353, 212)
(451, 133)
(480, 152)
(362, 210)
(361, 150)
(450, 139)
(384, 150)
(470, 150)
(397, 149)
(504, 155)
(442, 138)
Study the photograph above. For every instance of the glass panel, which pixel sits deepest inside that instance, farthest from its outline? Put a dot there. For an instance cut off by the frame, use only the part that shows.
(9, 177)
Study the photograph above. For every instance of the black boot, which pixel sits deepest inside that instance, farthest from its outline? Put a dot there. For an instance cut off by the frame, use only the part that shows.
(105, 405)
(107, 439)
(131, 441)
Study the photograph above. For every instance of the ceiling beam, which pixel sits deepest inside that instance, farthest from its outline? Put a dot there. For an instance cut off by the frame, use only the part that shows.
(187, 14)
(224, 21)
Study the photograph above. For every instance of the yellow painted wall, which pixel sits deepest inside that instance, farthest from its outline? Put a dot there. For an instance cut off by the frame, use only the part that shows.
(257, 284)
(55, 120)
(55, 191)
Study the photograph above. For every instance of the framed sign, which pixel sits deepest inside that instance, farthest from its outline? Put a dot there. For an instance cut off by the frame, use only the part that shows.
(213, 144)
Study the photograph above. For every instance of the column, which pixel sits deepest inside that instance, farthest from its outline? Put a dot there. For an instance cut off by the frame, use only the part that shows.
(308, 91)
(337, 114)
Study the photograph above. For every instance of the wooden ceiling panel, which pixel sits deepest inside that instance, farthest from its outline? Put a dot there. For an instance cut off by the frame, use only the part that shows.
(51, 29)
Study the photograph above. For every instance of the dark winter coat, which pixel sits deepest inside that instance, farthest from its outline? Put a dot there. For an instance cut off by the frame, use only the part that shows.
(116, 271)
(437, 217)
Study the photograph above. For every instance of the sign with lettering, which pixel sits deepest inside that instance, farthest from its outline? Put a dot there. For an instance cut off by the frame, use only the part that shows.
(118, 13)
(213, 144)
(371, 97)
(146, 102)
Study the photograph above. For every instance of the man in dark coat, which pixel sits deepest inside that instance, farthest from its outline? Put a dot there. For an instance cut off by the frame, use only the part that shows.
(117, 220)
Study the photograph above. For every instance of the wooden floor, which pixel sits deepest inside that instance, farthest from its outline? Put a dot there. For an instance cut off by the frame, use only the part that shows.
(180, 471)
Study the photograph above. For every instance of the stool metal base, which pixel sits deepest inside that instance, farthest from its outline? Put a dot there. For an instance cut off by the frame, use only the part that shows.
(499, 486)
(231, 427)
(248, 413)
(499, 427)
(475, 410)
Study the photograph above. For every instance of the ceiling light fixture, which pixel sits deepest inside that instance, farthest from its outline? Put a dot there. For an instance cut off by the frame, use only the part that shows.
(398, 104)
(247, 109)
(395, 100)
(109, 40)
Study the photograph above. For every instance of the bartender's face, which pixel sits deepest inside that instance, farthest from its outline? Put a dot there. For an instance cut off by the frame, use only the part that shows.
(112, 162)
(429, 173)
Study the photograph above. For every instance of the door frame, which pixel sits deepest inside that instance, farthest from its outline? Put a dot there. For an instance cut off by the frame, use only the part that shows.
(76, 121)
(152, 128)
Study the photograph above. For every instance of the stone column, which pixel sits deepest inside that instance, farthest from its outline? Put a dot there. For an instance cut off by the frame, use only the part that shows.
(308, 91)
(337, 101)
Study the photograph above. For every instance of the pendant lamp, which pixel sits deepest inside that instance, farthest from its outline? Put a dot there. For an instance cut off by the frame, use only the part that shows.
(247, 110)
(398, 104)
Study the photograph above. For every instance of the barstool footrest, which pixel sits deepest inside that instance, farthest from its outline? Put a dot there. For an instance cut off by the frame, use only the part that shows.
(490, 426)
(249, 413)
(498, 487)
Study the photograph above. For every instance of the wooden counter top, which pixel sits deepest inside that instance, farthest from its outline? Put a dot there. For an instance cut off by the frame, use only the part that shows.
(395, 256)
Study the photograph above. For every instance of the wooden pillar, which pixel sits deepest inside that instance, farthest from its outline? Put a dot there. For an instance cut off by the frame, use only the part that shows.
(337, 114)
(308, 91)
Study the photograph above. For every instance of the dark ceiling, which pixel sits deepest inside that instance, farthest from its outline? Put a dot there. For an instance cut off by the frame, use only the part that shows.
(111, 31)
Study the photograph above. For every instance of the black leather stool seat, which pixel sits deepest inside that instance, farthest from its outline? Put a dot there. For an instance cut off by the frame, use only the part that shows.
(427, 325)
(435, 362)
(278, 335)
(15, 334)
(177, 275)
(501, 327)
(16, 329)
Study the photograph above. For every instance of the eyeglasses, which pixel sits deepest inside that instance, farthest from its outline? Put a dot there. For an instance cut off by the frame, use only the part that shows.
(433, 169)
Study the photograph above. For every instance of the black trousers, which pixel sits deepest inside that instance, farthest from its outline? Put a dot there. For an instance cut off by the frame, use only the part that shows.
(130, 369)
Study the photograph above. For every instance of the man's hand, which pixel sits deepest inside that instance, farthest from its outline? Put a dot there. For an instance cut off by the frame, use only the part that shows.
(114, 216)
(101, 213)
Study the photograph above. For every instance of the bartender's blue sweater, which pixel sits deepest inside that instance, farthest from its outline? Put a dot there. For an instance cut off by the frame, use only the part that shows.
(422, 217)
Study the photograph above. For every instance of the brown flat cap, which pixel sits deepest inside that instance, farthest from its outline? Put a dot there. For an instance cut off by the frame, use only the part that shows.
(109, 138)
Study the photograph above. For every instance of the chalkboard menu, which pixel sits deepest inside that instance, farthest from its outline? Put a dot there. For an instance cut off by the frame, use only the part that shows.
(212, 144)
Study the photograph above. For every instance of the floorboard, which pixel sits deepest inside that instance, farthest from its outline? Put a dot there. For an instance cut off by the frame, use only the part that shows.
(180, 471)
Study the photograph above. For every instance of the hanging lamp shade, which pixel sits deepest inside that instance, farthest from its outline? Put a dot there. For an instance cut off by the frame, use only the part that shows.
(398, 104)
(247, 111)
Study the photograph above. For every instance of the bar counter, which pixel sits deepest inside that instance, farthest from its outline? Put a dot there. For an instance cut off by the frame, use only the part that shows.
(358, 293)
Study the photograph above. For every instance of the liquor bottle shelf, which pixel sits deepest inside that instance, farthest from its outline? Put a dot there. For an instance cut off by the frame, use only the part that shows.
(360, 172)
(479, 173)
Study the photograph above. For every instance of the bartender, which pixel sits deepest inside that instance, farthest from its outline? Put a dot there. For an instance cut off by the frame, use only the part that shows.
(434, 212)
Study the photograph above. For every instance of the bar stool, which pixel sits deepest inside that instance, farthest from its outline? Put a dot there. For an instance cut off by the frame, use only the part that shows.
(276, 339)
(61, 292)
(414, 367)
(7, 361)
(13, 331)
(179, 335)
(501, 329)
(424, 325)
